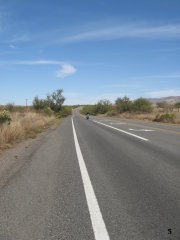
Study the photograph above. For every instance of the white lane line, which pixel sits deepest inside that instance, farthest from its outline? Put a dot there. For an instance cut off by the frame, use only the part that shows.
(120, 123)
(99, 227)
(141, 130)
(131, 134)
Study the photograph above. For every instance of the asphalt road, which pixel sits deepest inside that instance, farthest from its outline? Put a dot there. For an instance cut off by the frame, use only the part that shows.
(122, 183)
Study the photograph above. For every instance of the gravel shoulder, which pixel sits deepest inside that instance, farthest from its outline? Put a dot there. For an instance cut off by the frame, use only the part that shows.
(11, 160)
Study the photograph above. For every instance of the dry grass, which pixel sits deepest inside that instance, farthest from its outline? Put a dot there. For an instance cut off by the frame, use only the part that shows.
(149, 116)
(23, 125)
(177, 120)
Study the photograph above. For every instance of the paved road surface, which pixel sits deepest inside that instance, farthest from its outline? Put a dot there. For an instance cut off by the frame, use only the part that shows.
(125, 185)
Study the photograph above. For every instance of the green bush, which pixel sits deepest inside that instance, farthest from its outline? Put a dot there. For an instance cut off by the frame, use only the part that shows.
(92, 109)
(111, 113)
(103, 106)
(166, 118)
(55, 100)
(10, 107)
(177, 105)
(39, 104)
(21, 108)
(123, 104)
(162, 105)
(5, 117)
(64, 112)
(142, 105)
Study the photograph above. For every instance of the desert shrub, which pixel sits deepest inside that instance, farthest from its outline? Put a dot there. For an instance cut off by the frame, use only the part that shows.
(39, 104)
(55, 100)
(162, 105)
(5, 117)
(92, 109)
(10, 107)
(142, 105)
(123, 104)
(47, 111)
(21, 108)
(166, 118)
(65, 111)
(23, 125)
(103, 106)
(177, 105)
(75, 106)
(111, 113)
(165, 106)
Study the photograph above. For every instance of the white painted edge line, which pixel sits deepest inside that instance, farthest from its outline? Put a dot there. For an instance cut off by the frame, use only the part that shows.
(99, 227)
(131, 134)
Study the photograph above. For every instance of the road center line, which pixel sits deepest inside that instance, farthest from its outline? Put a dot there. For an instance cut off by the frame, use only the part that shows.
(99, 227)
(141, 130)
(117, 123)
(131, 134)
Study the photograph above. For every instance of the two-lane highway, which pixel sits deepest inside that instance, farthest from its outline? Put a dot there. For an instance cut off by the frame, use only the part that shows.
(136, 181)
(102, 178)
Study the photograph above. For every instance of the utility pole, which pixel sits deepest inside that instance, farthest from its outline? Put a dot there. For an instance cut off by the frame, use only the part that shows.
(26, 103)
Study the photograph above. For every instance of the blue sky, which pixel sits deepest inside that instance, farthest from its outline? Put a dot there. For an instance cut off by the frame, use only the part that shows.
(93, 49)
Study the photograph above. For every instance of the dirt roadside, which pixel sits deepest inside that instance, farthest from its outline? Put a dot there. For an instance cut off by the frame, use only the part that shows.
(11, 160)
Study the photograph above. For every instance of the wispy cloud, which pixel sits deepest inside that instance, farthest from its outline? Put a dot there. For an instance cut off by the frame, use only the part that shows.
(164, 76)
(11, 46)
(3, 18)
(33, 62)
(121, 85)
(126, 31)
(164, 93)
(20, 38)
(1, 24)
(66, 70)
(133, 81)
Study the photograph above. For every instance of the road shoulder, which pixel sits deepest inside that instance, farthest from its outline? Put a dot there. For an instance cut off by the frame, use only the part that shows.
(11, 160)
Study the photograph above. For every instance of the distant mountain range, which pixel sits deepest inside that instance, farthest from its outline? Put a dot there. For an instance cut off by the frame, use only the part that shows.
(170, 100)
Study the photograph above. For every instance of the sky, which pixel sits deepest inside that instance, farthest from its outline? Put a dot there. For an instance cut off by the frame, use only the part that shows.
(93, 49)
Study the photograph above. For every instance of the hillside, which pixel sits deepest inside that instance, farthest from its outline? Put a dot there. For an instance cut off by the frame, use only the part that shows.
(170, 99)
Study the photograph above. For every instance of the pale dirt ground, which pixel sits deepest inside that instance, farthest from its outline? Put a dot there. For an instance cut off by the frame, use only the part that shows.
(11, 160)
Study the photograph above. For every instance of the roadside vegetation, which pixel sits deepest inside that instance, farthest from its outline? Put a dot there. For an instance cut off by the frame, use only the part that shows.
(20, 122)
(140, 108)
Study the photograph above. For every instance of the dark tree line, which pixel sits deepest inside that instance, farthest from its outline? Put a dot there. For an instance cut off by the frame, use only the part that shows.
(121, 105)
